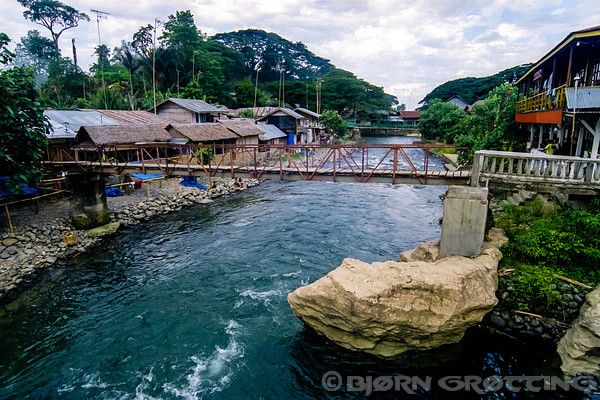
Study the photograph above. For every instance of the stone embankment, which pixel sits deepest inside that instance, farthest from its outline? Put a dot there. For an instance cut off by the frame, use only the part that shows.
(550, 327)
(35, 247)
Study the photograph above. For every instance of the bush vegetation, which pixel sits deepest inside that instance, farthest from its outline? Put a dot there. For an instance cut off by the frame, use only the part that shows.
(546, 241)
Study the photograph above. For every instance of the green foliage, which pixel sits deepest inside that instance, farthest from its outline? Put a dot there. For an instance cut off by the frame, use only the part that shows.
(35, 50)
(204, 154)
(64, 85)
(6, 55)
(271, 52)
(350, 96)
(334, 122)
(53, 15)
(546, 241)
(439, 120)
(532, 288)
(247, 113)
(473, 89)
(22, 122)
(491, 125)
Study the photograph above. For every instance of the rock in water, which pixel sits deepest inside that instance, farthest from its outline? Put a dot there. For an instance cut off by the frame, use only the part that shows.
(579, 349)
(104, 230)
(387, 308)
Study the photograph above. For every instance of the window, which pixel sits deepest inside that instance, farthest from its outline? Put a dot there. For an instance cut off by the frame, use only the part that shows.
(596, 74)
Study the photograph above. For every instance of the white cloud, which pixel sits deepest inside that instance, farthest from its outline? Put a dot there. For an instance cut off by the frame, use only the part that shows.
(408, 47)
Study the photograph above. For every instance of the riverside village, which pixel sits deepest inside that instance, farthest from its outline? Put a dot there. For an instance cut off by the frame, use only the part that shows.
(344, 201)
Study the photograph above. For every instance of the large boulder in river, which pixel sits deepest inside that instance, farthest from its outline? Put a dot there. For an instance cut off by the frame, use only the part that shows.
(579, 349)
(387, 308)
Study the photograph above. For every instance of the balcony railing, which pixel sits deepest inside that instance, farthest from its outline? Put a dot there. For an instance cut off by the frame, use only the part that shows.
(543, 101)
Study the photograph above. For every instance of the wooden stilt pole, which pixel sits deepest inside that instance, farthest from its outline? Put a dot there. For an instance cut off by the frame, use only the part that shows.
(10, 225)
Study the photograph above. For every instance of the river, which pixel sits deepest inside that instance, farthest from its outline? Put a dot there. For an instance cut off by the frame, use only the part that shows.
(194, 306)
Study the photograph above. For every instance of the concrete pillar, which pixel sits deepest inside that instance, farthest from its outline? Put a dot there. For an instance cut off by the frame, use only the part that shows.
(463, 225)
(596, 142)
(89, 201)
(561, 136)
(541, 138)
(531, 136)
(579, 147)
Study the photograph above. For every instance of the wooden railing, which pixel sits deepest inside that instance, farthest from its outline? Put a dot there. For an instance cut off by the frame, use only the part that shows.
(543, 101)
(511, 167)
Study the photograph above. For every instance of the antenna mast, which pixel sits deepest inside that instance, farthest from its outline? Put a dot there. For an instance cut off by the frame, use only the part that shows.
(101, 15)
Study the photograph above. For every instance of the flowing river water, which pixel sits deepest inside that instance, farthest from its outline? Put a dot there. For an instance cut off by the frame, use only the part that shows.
(194, 306)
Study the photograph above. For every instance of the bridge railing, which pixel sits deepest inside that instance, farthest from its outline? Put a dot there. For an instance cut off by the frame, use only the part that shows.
(363, 161)
(513, 167)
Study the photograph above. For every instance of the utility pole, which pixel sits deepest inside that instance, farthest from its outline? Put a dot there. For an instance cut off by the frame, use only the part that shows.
(156, 25)
(100, 15)
(256, 85)
(318, 90)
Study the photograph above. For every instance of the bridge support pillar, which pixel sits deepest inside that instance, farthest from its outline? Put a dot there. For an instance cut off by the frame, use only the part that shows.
(89, 201)
(463, 225)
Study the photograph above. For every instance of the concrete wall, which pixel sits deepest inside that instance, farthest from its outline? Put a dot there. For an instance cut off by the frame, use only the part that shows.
(465, 216)
(174, 113)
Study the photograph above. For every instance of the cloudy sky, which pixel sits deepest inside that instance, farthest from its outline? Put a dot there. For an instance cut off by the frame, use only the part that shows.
(408, 47)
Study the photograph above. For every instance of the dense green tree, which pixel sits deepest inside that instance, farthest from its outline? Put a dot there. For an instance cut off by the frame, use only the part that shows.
(102, 53)
(66, 83)
(490, 126)
(353, 97)
(53, 15)
(271, 53)
(244, 94)
(35, 50)
(334, 122)
(439, 120)
(22, 122)
(181, 34)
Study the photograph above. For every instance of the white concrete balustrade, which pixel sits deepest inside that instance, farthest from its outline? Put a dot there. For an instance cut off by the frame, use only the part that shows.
(534, 169)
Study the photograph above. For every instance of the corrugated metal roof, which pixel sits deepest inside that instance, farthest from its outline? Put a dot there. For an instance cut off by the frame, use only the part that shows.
(287, 111)
(410, 114)
(307, 112)
(66, 123)
(198, 106)
(258, 112)
(270, 132)
(132, 117)
(587, 97)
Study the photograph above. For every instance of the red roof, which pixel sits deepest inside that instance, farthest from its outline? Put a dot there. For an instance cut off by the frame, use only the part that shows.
(410, 114)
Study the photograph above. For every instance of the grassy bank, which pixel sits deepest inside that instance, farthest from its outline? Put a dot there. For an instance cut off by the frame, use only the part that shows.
(548, 246)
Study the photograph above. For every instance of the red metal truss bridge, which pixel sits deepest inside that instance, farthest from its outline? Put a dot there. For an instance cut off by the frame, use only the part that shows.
(388, 163)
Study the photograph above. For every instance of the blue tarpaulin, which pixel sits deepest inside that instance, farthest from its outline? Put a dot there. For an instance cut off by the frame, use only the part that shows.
(113, 192)
(21, 189)
(192, 181)
(146, 176)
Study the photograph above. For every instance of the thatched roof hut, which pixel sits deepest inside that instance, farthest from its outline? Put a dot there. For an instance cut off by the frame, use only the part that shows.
(241, 127)
(123, 134)
(207, 132)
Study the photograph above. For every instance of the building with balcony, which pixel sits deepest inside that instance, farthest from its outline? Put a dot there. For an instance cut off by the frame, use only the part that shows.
(559, 96)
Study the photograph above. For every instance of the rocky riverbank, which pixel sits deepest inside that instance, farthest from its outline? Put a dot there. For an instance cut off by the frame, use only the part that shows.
(529, 325)
(35, 247)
